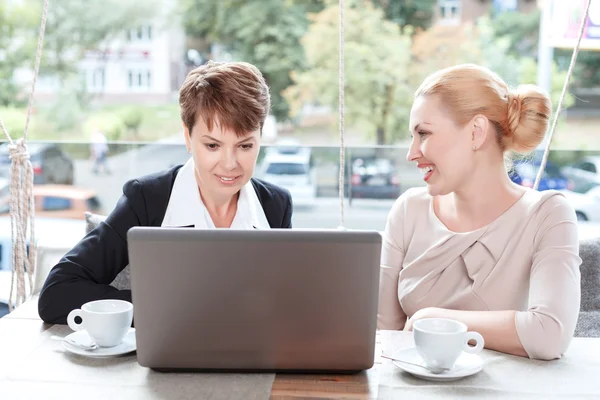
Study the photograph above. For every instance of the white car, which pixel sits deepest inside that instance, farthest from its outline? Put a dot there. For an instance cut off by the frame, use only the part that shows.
(586, 205)
(585, 173)
(291, 167)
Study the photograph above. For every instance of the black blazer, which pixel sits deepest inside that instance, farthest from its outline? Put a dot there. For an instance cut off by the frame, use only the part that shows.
(84, 274)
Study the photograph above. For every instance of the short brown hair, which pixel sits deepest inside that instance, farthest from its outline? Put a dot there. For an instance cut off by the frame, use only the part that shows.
(235, 93)
(520, 116)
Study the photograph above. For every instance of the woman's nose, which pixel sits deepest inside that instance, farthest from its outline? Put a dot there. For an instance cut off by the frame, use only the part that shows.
(414, 151)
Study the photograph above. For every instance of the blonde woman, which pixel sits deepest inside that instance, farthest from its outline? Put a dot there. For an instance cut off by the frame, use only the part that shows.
(472, 245)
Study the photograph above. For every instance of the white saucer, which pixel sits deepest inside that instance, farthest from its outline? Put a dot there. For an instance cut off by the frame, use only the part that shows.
(466, 365)
(128, 345)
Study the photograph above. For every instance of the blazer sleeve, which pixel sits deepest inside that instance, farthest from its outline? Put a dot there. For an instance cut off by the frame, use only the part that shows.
(84, 274)
(287, 214)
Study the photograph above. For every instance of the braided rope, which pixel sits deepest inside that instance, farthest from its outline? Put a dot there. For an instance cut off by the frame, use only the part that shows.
(341, 110)
(22, 207)
(562, 97)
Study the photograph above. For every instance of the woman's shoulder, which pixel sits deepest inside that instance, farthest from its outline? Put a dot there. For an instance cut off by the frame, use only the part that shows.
(414, 199)
(149, 195)
(550, 204)
(155, 181)
(269, 191)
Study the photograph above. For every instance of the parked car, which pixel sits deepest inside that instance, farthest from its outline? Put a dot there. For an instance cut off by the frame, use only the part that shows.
(63, 201)
(50, 163)
(374, 177)
(586, 205)
(524, 173)
(290, 166)
(585, 173)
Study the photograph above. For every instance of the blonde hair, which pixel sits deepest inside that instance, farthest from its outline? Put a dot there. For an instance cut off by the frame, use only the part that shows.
(520, 116)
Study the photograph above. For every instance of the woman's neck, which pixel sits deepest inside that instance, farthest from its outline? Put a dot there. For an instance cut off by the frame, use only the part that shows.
(479, 202)
(222, 210)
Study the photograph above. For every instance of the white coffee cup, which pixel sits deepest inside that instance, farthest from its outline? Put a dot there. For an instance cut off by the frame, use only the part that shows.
(441, 341)
(106, 321)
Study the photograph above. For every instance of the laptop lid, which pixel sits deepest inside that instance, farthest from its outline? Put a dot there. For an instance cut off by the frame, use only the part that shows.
(274, 300)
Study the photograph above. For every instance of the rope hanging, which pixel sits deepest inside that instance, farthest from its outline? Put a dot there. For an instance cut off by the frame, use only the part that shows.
(341, 110)
(22, 210)
(562, 96)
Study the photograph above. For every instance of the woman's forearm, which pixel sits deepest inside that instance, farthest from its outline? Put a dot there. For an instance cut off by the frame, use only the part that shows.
(498, 328)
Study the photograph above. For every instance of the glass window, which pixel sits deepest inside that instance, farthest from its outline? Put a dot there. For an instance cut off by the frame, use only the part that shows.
(449, 9)
(287, 169)
(52, 153)
(588, 166)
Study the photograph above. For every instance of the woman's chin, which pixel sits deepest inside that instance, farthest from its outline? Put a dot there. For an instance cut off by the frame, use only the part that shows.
(436, 190)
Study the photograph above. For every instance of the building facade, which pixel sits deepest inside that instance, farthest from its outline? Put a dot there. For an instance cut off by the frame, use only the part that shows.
(144, 65)
(460, 11)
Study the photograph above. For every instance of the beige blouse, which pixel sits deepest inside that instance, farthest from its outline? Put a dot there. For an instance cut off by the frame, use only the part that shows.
(526, 260)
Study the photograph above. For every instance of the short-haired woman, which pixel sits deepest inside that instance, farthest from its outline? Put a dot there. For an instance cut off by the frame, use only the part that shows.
(223, 110)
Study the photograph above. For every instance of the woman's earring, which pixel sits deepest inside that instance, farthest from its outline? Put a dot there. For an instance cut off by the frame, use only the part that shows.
(190, 151)
(474, 147)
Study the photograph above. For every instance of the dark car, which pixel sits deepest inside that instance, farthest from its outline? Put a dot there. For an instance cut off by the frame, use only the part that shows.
(374, 178)
(524, 173)
(50, 163)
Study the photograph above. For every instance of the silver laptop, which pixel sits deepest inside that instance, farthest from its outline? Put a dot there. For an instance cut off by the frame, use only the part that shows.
(276, 300)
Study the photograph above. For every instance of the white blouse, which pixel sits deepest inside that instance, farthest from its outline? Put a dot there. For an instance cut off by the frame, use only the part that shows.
(186, 208)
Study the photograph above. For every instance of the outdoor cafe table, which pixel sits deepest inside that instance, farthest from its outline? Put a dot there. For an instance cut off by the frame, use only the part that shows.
(33, 366)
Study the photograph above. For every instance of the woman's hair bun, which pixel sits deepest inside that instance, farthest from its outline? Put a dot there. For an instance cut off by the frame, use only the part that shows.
(528, 114)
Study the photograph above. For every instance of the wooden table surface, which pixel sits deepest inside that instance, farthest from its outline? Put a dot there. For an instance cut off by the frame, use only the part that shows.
(27, 359)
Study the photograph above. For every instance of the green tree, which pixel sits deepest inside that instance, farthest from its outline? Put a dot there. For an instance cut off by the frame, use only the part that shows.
(522, 32)
(515, 64)
(16, 21)
(440, 47)
(520, 29)
(265, 33)
(132, 117)
(377, 54)
(444, 46)
(415, 13)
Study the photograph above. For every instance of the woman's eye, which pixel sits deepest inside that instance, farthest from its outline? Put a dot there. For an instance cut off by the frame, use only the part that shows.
(422, 134)
(212, 146)
(247, 146)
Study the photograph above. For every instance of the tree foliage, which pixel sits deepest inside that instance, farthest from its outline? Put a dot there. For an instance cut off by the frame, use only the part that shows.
(377, 54)
(417, 14)
(265, 33)
(522, 31)
(16, 23)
